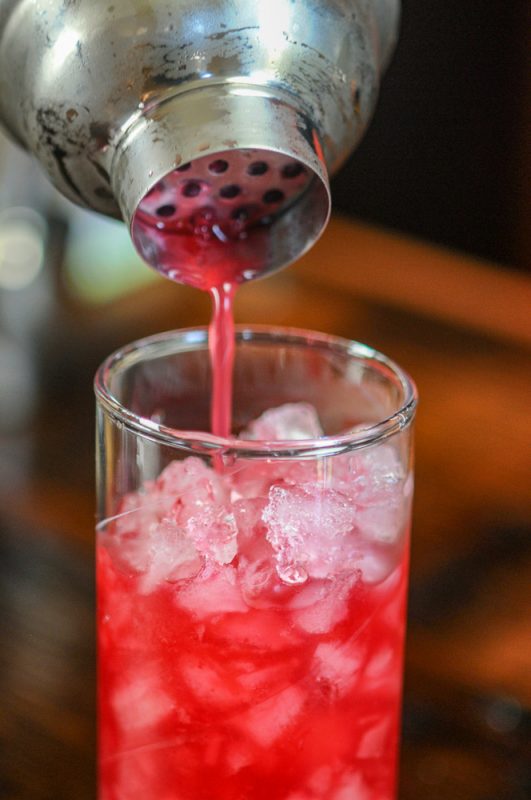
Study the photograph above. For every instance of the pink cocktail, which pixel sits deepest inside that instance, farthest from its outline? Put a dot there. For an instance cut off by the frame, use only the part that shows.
(252, 590)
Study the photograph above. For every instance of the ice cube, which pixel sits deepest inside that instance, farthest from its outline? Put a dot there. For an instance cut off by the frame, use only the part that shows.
(168, 555)
(192, 483)
(251, 479)
(140, 702)
(375, 482)
(352, 787)
(288, 422)
(189, 482)
(124, 534)
(132, 773)
(377, 564)
(138, 510)
(166, 531)
(370, 477)
(328, 611)
(338, 665)
(268, 721)
(376, 741)
(238, 756)
(381, 523)
(260, 684)
(210, 684)
(373, 475)
(217, 593)
(380, 665)
(383, 673)
(260, 584)
(248, 516)
(201, 507)
(252, 543)
(266, 631)
(312, 531)
(311, 593)
(151, 772)
(214, 533)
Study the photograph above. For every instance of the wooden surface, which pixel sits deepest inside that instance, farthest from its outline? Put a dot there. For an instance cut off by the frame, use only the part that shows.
(461, 330)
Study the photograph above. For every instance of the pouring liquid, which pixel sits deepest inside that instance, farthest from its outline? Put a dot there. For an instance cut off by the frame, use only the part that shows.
(221, 346)
(197, 252)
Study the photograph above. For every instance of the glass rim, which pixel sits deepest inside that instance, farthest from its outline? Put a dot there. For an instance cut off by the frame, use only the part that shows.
(204, 443)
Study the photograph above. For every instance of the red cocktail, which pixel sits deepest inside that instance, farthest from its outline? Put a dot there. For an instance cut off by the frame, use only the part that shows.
(252, 595)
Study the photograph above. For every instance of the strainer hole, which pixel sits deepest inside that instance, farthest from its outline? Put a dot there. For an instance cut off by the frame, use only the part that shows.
(245, 213)
(273, 196)
(167, 210)
(183, 168)
(230, 191)
(240, 214)
(219, 166)
(191, 189)
(292, 170)
(257, 168)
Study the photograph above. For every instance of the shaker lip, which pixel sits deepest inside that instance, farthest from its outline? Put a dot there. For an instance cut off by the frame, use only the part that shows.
(203, 443)
(211, 121)
(206, 119)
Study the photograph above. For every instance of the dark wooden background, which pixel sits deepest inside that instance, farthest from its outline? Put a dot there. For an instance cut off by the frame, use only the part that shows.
(461, 328)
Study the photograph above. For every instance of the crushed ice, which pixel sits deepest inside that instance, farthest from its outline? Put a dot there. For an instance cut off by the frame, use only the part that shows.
(312, 531)
(290, 422)
(292, 520)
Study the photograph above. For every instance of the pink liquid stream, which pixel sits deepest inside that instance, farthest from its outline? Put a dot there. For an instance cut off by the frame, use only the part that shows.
(221, 346)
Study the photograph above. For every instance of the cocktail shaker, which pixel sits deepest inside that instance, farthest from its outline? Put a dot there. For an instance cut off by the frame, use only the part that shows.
(181, 116)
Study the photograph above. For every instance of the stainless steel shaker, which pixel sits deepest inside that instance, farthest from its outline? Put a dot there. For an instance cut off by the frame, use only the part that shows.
(218, 117)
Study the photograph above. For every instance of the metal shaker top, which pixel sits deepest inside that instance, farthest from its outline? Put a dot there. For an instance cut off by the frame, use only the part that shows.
(128, 107)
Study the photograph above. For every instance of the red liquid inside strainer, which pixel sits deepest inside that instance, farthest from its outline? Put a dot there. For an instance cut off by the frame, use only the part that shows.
(208, 222)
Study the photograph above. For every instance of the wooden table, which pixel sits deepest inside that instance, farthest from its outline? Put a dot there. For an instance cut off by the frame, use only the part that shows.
(463, 330)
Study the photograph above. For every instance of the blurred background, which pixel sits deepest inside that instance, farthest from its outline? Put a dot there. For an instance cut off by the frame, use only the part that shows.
(427, 259)
(448, 156)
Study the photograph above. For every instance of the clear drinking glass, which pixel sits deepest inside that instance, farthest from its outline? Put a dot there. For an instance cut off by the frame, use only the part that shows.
(252, 591)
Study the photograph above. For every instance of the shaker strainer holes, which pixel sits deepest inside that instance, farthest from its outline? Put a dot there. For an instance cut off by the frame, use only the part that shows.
(292, 170)
(273, 196)
(219, 166)
(241, 214)
(191, 189)
(230, 191)
(257, 168)
(183, 168)
(166, 210)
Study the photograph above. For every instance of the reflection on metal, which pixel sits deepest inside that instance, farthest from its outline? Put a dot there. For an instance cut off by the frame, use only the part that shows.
(65, 47)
